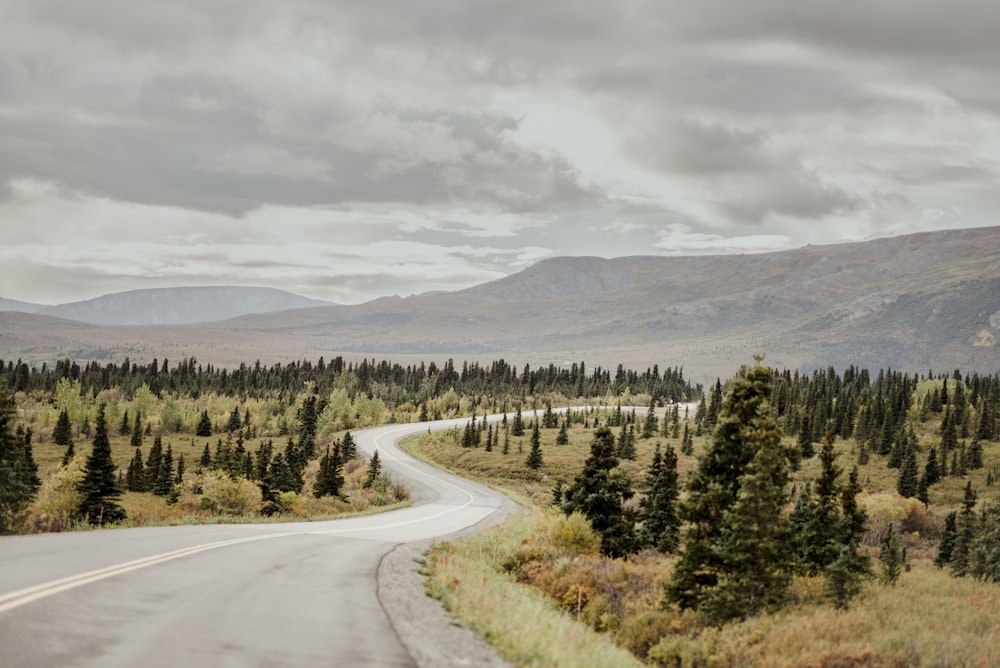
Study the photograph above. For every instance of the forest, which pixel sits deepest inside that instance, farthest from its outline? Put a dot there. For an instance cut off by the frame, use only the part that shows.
(676, 521)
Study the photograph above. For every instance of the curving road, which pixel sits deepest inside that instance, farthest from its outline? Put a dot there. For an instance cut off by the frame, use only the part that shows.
(291, 594)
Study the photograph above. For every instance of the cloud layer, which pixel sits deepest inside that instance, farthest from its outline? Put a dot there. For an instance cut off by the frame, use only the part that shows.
(348, 150)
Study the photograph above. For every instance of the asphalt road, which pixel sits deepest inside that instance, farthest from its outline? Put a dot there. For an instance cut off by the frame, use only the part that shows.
(292, 594)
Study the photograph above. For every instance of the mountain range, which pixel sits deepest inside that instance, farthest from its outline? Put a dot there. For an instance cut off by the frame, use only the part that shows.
(919, 302)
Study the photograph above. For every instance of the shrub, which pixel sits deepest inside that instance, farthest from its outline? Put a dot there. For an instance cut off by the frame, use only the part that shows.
(574, 535)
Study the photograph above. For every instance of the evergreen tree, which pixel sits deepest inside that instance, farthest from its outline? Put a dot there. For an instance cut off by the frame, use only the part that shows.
(660, 526)
(234, 424)
(16, 488)
(348, 450)
(125, 428)
(687, 443)
(907, 483)
(649, 425)
(204, 425)
(374, 471)
(818, 538)
(734, 559)
(206, 458)
(69, 454)
(62, 434)
(307, 427)
(845, 576)
(946, 546)
(165, 475)
(890, 556)
(153, 462)
(135, 478)
(984, 551)
(599, 492)
(517, 428)
(136, 440)
(330, 479)
(99, 487)
(965, 532)
(534, 459)
(562, 438)
(181, 468)
(805, 439)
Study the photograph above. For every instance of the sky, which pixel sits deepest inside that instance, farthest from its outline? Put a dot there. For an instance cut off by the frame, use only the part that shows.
(351, 150)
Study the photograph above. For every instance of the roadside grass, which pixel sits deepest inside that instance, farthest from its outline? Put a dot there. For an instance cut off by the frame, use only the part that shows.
(928, 619)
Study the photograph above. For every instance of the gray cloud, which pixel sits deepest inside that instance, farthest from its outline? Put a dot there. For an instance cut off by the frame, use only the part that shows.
(405, 135)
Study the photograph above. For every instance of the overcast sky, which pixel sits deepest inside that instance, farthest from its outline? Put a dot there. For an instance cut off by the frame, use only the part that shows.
(349, 150)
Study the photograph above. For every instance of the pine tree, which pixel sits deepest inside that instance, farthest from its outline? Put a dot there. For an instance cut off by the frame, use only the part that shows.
(805, 439)
(374, 471)
(125, 428)
(965, 531)
(99, 487)
(562, 438)
(165, 475)
(135, 478)
(307, 427)
(517, 428)
(660, 526)
(206, 458)
(599, 492)
(62, 434)
(181, 468)
(153, 462)
(649, 425)
(984, 551)
(534, 459)
(348, 450)
(687, 443)
(136, 440)
(204, 425)
(330, 479)
(734, 559)
(234, 424)
(15, 485)
(890, 556)
(845, 576)
(818, 537)
(907, 483)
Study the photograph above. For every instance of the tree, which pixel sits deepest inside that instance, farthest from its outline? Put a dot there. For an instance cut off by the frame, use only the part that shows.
(348, 450)
(562, 438)
(984, 551)
(907, 484)
(965, 532)
(534, 458)
(234, 424)
(204, 425)
(125, 428)
(330, 479)
(947, 544)
(136, 440)
(165, 475)
(734, 559)
(599, 492)
(135, 477)
(16, 487)
(517, 428)
(62, 434)
(818, 534)
(374, 471)
(806, 439)
(660, 525)
(153, 463)
(99, 486)
(307, 431)
(890, 556)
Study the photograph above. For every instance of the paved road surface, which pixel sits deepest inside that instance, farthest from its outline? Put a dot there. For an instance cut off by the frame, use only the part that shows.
(293, 594)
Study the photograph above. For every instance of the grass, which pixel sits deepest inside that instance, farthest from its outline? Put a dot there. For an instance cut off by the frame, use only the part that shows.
(928, 619)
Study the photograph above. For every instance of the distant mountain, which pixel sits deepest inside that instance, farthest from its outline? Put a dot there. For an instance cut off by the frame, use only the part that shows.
(918, 302)
(21, 307)
(179, 306)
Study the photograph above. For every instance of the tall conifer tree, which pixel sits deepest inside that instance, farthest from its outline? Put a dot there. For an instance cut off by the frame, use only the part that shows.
(99, 487)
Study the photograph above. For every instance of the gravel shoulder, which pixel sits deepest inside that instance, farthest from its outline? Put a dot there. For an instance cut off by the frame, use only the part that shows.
(433, 637)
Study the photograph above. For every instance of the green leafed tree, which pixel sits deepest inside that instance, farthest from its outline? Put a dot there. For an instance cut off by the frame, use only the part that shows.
(99, 487)
(734, 556)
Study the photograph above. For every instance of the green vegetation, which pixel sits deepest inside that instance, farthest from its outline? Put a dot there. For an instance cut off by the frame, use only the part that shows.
(825, 606)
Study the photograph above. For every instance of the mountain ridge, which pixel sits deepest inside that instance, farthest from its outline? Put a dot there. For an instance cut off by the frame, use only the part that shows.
(930, 300)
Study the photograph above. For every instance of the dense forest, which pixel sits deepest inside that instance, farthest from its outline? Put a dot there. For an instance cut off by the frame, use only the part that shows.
(245, 440)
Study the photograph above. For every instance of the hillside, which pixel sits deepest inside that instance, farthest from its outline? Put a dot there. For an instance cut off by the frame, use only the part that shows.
(917, 302)
(178, 306)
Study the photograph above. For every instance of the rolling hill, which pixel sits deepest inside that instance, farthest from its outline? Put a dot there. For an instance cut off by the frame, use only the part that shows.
(918, 302)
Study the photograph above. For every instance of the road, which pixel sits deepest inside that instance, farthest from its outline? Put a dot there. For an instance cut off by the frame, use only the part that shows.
(290, 594)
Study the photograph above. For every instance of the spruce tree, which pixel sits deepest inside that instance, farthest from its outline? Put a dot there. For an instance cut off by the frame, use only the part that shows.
(204, 425)
(136, 440)
(15, 485)
(234, 424)
(660, 525)
(907, 483)
(135, 478)
(534, 459)
(984, 551)
(562, 438)
(374, 471)
(153, 462)
(307, 427)
(599, 492)
(125, 428)
(517, 428)
(818, 538)
(99, 486)
(62, 434)
(348, 450)
(844, 577)
(206, 458)
(330, 479)
(165, 474)
(734, 559)
(947, 543)
(965, 531)
(890, 556)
